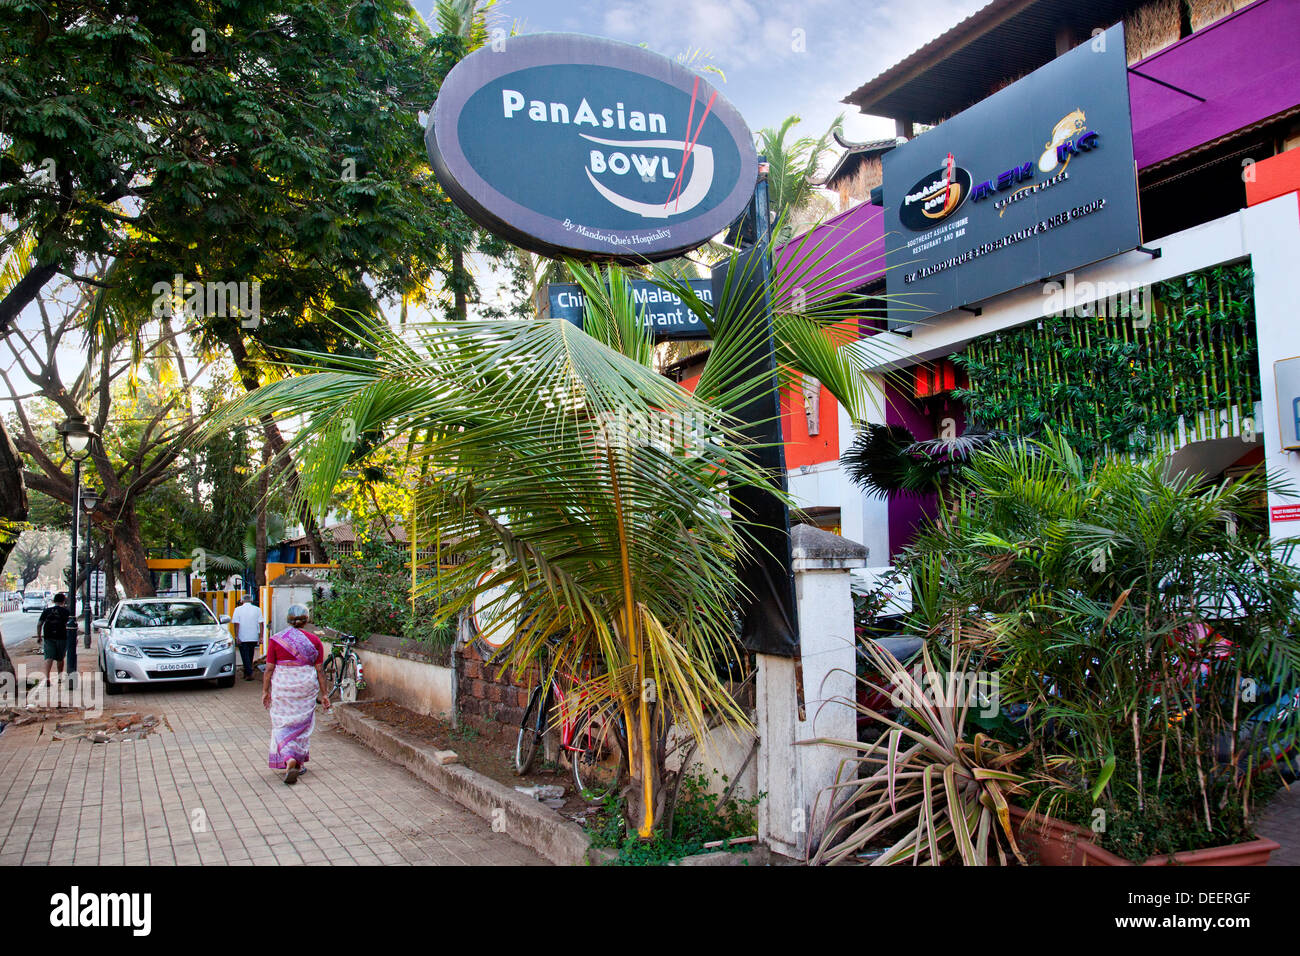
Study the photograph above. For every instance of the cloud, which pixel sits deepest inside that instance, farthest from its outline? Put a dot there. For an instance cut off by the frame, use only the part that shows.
(726, 28)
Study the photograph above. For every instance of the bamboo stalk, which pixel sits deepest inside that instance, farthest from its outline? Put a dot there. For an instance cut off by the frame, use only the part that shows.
(1207, 331)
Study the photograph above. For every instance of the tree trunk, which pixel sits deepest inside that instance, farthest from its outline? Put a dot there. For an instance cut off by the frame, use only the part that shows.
(259, 533)
(13, 512)
(645, 773)
(275, 441)
(7, 667)
(110, 574)
(132, 559)
(24, 293)
(460, 283)
(13, 495)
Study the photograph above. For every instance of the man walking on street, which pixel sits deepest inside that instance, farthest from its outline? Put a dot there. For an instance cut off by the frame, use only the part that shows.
(248, 631)
(52, 629)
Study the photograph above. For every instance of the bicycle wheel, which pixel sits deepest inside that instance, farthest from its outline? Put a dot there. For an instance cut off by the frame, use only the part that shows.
(332, 678)
(348, 680)
(530, 733)
(597, 754)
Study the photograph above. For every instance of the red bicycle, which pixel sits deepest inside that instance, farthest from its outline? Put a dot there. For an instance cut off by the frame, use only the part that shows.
(591, 735)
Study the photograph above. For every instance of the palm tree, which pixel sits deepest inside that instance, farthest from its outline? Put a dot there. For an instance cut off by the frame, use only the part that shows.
(466, 19)
(793, 165)
(887, 460)
(613, 544)
(591, 490)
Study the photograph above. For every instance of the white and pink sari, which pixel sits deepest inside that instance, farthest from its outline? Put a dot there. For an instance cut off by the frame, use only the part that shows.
(294, 689)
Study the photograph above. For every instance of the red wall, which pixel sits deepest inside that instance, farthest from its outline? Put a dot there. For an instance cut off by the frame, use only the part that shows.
(1275, 176)
(800, 448)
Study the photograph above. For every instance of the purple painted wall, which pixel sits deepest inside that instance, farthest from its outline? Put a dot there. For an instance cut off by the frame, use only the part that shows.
(1246, 67)
(906, 514)
(840, 255)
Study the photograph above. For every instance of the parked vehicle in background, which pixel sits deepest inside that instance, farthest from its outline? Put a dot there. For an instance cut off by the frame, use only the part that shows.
(150, 640)
(34, 601)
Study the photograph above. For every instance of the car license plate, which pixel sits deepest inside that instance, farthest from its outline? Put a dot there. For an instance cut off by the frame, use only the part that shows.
(177, 666)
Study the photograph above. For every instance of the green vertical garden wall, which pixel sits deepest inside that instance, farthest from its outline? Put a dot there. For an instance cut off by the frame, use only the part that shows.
(1126, 382)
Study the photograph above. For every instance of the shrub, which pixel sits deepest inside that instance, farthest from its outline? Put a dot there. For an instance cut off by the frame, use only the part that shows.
(1133, 615)
(699, 818)
(370, 594)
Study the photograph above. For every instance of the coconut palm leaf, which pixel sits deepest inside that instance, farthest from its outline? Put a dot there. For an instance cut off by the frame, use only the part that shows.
(588, 487)
(793, 165)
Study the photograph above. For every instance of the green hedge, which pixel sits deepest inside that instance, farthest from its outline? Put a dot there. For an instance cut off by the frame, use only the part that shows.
(371, 594)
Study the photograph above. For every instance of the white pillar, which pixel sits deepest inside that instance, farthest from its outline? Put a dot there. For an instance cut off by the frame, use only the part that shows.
(791, 775)
(1272, 235)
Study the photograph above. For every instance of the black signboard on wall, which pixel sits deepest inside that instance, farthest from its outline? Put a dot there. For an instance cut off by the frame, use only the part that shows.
(1028, 184)
(664, 314)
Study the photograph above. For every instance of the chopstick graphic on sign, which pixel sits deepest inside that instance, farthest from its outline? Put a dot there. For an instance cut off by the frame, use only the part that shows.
(688, 145)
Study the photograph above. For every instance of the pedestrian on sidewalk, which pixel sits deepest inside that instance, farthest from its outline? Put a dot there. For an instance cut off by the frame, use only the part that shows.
(293, 685)
(52, 630)
(248, 631)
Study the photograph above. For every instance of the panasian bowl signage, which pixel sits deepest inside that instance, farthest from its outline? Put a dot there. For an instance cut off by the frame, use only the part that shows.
(1033, 181)
(582, 146)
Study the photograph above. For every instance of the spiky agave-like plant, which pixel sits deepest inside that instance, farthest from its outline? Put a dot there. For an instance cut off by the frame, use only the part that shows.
(924, 791)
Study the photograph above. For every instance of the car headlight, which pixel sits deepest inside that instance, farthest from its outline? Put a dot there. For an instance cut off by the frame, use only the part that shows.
(221, 644)
(126, 650)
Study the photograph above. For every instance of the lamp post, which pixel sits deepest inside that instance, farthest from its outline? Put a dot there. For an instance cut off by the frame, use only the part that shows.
(76, 445)
(89, 499)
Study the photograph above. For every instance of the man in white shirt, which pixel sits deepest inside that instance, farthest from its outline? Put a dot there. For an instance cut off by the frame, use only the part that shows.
(248, 631)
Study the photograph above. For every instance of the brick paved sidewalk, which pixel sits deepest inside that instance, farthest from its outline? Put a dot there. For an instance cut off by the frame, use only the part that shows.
(1280, 821)
(74, 802)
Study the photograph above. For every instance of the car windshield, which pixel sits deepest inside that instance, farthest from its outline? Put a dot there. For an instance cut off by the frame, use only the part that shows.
(164, 614)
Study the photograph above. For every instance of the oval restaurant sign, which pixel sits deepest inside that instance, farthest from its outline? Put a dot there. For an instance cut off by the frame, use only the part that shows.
(582, 146)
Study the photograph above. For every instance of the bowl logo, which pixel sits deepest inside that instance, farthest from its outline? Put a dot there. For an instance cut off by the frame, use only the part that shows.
(935, 197)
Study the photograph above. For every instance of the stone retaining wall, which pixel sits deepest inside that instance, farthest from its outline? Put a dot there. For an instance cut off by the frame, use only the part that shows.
(486, 696)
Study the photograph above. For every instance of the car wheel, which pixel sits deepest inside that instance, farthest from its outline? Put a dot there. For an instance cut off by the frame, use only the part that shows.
(226, 681)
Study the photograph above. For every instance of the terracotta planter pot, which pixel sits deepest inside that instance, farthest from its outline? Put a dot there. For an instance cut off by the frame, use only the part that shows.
(1056, 843)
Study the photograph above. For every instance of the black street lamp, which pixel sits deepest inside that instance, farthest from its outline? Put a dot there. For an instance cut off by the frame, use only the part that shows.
(76, 445)
(89, 500)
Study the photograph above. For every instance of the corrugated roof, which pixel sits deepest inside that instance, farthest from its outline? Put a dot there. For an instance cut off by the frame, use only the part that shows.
(1002, 40)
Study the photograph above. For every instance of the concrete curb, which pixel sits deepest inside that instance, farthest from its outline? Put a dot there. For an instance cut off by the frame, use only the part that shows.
(526, 820)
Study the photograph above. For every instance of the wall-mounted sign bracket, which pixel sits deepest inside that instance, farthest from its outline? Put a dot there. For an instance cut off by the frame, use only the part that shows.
(1168, 86)
(1153, 253)
(972, 309)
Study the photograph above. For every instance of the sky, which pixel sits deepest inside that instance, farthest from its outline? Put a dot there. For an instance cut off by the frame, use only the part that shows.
(798, 57)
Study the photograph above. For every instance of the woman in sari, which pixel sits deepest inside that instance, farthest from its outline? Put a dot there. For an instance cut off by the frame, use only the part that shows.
(294, 683)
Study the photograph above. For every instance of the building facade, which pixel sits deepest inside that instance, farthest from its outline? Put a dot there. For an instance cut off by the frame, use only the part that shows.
(1214, 94)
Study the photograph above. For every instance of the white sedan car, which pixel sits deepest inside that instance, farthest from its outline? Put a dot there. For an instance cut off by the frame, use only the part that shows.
(152, 640)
